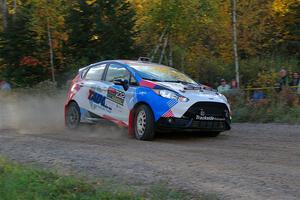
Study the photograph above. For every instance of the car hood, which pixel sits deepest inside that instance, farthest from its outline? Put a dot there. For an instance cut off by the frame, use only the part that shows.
(194, 92)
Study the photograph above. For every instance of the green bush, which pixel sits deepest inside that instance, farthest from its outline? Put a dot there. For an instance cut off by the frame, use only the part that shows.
(280, 107)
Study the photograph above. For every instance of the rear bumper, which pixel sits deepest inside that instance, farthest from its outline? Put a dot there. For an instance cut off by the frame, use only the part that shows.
(191, 124)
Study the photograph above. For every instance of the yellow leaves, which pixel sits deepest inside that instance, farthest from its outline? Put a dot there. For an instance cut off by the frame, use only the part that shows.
(265, 79)
(95, 37)
(90, 2)
(282, 6)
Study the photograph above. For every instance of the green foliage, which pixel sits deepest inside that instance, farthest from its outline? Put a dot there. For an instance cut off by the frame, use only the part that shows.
(19, 182)
(100, 30)
(21, 55)
(198, 36)
(282, 108)
(254, 68)
(82, 32)
(161, 191)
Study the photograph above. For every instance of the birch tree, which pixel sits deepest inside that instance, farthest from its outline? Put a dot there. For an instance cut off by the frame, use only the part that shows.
(48, 22)
(4, 13)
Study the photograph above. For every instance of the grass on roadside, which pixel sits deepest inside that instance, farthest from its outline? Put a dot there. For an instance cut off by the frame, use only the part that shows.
(19, 182)
(27, 183)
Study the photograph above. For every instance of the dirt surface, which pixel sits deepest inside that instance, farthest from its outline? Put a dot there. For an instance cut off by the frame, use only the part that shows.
(253, 161)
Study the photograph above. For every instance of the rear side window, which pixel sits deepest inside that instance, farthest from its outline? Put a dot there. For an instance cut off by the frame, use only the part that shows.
(117, 72)
(95, 73)
(83, 73)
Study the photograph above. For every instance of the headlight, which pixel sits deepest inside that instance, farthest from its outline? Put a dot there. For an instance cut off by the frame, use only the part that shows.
(171, 95)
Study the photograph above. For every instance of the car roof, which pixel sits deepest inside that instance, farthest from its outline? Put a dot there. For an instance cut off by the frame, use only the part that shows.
(127, 62)
(141, 63)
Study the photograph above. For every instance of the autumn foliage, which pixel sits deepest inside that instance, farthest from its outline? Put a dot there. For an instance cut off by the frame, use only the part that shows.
(191, 35)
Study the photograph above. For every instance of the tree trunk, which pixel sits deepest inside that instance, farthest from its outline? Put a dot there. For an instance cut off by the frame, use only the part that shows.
(50, 50)
(234, 41)
(15, 10)
(182, 62)
(170, 54)
(4, 14)
(158, 45)
(163, 50)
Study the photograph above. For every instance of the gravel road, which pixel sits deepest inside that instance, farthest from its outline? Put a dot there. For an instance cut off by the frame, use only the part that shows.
(252, 161)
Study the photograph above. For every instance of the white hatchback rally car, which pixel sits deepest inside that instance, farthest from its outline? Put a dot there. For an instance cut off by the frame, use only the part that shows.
(144, 97)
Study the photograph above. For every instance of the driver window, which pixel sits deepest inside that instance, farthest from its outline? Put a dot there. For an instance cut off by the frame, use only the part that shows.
(117, 72)
(95, 73)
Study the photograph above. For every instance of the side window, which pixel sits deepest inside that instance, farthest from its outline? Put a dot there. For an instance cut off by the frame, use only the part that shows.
(95, 73)
(83, 73)
(117, 72)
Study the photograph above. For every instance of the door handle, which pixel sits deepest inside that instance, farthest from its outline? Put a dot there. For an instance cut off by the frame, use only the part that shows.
(81, 84)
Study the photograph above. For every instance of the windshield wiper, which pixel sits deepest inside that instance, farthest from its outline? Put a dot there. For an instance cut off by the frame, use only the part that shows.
(178, 81)
(152, 79)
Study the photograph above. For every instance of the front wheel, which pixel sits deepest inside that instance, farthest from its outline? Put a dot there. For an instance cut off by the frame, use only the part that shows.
(72, 116)
(144, 123)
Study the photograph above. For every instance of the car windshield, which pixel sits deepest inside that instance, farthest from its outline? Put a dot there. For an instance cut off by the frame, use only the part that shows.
(162, 74)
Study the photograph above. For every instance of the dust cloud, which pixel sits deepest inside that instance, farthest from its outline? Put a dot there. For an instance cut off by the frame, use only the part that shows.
(44, 113)
(25, 112)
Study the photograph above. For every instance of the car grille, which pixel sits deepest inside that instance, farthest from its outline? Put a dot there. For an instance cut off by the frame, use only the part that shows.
(207, 109)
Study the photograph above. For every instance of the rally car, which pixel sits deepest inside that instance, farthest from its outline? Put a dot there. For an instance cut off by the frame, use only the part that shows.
(144, 97)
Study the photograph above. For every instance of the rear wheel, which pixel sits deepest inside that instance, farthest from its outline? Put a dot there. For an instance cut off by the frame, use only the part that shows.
(144, 123)
(72, 115)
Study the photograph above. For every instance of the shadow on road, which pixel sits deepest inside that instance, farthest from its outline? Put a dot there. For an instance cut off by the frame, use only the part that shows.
(186, 135)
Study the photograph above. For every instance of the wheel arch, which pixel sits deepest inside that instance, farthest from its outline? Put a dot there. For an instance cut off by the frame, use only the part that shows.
(132, 115)
(65, 109)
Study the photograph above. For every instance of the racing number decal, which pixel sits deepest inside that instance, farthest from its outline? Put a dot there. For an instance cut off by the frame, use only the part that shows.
(116, 96)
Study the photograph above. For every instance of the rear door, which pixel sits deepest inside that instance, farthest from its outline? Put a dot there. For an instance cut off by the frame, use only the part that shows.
(87, 97)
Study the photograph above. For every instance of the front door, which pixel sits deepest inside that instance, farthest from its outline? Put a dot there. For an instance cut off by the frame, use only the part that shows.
(116, 94)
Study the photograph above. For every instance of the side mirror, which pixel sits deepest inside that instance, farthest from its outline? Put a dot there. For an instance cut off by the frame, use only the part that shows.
(122, 82)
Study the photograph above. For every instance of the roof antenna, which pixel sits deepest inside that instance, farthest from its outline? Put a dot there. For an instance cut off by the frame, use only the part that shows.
(144, 59)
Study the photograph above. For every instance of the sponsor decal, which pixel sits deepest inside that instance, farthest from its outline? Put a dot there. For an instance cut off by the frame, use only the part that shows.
(116, 96)
(199, 117)
(203, 116)
(202, 113)
(98, 99)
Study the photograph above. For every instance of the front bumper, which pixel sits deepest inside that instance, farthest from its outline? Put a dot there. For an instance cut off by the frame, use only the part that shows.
(192, 124)
(206, 116)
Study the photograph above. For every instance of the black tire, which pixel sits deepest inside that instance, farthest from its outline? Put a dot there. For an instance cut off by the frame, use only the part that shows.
(144, 127)
(73, 116)
(213, 134)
